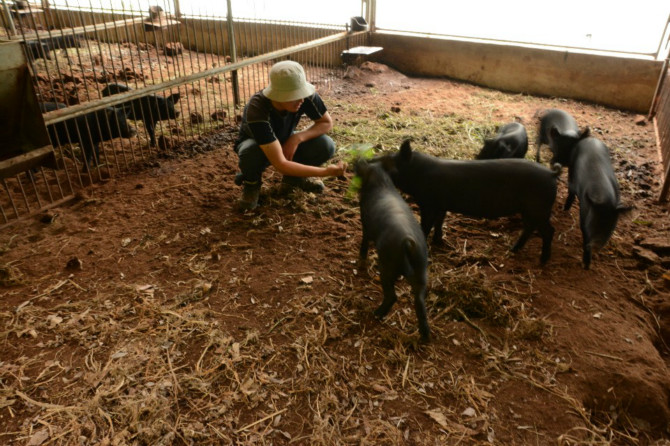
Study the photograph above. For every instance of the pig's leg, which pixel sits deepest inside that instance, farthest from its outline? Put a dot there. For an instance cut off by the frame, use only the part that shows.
(547, 233)
(388, 287)
(150, 126)
(419, 291)
(90, 151)
(437, 231)
(525, 235)
(538, 145)
(571, 190)
(586, 237)
(428, 218)
(363, 253)
(586, 258)
(569, 201)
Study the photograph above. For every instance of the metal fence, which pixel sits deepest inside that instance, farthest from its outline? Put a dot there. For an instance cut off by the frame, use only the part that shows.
(660, 115)
(118, 87)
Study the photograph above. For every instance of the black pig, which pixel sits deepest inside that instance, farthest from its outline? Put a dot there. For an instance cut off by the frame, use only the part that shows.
(62, 42)
(88, 130)
(592, 179)
(510, 142)
(401, 247)
(41, 48)
(559, 130)
(148, 109)
(36, 50)
(480, 188)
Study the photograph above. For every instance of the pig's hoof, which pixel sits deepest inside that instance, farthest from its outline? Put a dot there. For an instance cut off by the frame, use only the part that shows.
(437, 242)
(380, 313)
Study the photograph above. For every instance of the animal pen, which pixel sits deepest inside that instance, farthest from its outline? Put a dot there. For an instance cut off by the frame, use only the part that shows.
(216, 62)
(66, 55)
(149, 310)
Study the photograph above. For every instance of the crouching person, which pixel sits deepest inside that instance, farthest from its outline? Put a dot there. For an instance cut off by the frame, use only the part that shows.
(268, 137)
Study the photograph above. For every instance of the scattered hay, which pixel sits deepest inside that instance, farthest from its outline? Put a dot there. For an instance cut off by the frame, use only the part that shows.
(531, 329)
(467, 293)
(194, 354)
(448, 136)
(10, 275)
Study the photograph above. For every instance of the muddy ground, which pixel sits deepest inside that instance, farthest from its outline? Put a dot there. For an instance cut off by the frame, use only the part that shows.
(151, 311)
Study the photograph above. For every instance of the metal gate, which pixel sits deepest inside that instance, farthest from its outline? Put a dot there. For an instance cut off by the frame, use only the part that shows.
(119, 86)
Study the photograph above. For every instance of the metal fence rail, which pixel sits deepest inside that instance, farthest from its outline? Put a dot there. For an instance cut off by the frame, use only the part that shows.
(119, 87)
(661, 117)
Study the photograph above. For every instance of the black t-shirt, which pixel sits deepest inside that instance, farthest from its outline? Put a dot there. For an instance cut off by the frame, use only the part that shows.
(263, 123)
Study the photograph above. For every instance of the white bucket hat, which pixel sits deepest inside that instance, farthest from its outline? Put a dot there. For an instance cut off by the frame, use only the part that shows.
(288, 82)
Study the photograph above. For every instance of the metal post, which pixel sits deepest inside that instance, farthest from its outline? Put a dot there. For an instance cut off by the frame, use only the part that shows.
(659, 84)
(665, 38)
(369, 12)
(233, 53)
(373, 16)
(8, 14)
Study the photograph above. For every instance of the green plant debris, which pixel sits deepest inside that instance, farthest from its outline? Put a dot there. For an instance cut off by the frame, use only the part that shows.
(448, 136)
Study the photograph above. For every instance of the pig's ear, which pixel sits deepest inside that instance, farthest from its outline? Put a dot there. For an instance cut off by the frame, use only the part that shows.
(554, 132)
(361, 167)
(585, 133)
(174, 98)
(506, 149)
(405, 150)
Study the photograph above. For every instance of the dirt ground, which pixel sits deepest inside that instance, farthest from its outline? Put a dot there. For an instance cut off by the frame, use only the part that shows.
(151, 311)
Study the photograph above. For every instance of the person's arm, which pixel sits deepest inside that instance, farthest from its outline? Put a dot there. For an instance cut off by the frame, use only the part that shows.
(275, 155)
(320, 127)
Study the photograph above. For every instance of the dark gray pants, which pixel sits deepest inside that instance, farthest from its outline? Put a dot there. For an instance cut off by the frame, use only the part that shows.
(253, 161)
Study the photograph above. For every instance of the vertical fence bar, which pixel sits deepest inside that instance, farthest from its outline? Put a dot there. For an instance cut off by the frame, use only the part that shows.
(11, 199)
(193, 69)
(233, 53)
(662, 128)
(221, 51)
(10, 20)
(197, 91)
(212, 52)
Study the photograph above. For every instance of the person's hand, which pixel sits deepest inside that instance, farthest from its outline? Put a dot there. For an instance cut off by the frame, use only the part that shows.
(336, 170)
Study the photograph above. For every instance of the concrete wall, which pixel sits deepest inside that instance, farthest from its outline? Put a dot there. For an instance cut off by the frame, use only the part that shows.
(622, 82)
(619, 82)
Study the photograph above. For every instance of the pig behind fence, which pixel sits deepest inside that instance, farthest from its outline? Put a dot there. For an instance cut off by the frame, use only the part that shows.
(510, 142)
(62, 42)
(36, 50)
(479, 188)
(592, 179)
(148, 109)
(88, 130)
(559, 130)
(42, 48)
(401, 247)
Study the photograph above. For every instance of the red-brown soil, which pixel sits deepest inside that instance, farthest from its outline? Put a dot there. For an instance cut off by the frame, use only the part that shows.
(152, 311)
